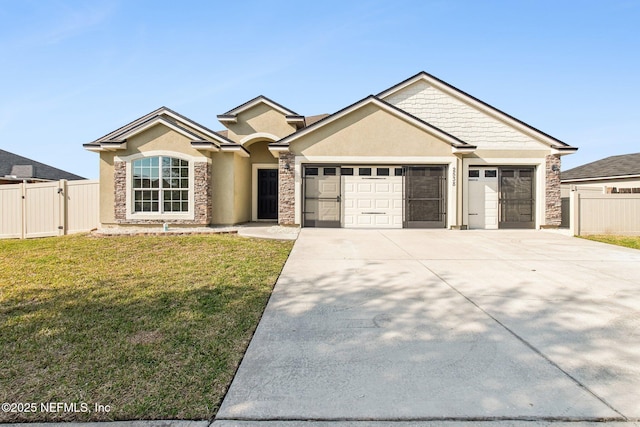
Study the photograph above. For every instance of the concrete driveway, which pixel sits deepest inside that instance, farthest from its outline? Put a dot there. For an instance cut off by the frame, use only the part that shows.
(437, 325)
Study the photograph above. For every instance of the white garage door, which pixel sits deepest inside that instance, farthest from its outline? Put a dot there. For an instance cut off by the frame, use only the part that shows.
(372, 197)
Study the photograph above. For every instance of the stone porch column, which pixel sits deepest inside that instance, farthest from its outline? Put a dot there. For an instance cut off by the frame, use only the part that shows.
(286, 189)
(553, 202)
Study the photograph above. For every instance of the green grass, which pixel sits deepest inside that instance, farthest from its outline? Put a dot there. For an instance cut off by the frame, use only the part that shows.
(628, 241)
(154, 327)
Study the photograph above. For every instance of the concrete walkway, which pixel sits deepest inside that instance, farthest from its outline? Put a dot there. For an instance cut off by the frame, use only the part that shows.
(436, 327)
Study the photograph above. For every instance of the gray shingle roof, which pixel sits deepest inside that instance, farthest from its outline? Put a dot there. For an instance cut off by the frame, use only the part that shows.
(13, 164)
(623, 165)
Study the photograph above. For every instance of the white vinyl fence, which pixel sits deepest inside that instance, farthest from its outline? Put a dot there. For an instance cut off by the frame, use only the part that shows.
(598, 213)
(48, 208)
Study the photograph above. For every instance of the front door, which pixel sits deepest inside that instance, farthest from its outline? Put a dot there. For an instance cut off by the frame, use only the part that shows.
(268, 194)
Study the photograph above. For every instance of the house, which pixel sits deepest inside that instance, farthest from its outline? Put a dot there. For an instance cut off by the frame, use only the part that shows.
(621, 173)
(419, 154)
(16, 169)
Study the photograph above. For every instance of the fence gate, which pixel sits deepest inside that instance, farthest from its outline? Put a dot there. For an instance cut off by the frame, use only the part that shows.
(48, 208)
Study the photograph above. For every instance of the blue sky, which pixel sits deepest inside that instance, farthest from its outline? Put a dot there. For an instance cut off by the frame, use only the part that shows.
(72, 71)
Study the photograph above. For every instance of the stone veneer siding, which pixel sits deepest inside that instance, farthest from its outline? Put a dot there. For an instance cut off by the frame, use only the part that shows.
(120, 191)
(286, 189)
(202, 197)
(553, 202)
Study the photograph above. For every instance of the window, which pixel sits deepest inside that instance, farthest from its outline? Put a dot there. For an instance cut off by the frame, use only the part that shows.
(490, 173)
(397, 172)
(364, 171)
(383, 172)
(346, 171)
(474, 173)
(329, 171)
(310, 171)
(160, 184)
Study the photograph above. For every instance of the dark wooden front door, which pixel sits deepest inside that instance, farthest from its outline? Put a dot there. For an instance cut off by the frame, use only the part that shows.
(267, 193)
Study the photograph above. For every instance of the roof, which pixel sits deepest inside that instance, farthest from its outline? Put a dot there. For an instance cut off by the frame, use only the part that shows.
(479, 104)
(626, 165)
(261, 99)
(24, 168)
(309, 120)
(383, 105)
(204, 137)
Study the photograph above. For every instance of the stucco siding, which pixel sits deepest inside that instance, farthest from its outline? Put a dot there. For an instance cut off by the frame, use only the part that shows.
(370, 131)
(460, 119)
(107, 189)
(260, 153)
(259, 119)
(223, 188)
(160, 138)
(242, 203)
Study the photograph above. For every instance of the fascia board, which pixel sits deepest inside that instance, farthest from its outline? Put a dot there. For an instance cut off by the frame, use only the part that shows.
(237, 149)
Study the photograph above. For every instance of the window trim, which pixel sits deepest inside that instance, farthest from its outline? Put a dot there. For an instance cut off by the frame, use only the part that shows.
(161, 190)
(189, 215)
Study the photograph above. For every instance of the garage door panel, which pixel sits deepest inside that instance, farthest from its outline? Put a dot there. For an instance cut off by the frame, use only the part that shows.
(383, 188)
(364, 187)
(364, 203)
(377, 202)
(382, 204)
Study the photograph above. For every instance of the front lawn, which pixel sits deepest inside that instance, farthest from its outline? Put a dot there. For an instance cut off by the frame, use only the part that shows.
(147, 327)
(628, 241)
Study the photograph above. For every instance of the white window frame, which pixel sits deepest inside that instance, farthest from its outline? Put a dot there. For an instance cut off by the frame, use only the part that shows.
(189, 214)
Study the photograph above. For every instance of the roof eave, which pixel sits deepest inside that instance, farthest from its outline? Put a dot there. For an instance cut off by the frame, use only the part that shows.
(463, 149)
(563, 151)
(205, 146)
(236, 149)
(297, 121)
(227, 118)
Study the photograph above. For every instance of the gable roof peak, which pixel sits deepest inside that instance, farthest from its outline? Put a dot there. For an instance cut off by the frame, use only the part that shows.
(260, 99)
(479, 105)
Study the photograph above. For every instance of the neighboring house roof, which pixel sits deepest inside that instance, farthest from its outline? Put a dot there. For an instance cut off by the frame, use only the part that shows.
(372, 99)
(626, 165)
(479, 105)
(17, 168)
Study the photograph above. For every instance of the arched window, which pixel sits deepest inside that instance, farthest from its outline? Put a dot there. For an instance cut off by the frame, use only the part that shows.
(160, 185)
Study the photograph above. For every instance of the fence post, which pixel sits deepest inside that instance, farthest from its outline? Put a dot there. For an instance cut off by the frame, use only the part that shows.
(575, 212)
(62, 199)
(23, 211)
